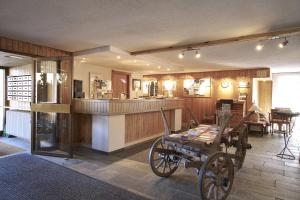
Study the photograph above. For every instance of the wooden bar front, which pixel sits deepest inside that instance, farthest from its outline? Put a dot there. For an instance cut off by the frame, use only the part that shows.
(142, 118)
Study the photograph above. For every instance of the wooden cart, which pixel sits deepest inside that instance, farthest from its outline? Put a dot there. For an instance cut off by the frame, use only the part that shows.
(213, 153)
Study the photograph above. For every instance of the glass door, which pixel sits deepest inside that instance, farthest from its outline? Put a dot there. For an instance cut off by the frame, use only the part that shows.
(51, 110)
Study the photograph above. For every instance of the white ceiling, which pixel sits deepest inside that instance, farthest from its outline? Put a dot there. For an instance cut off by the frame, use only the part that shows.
(134, 25)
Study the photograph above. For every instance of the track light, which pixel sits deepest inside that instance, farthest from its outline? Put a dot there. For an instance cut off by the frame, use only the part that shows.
(181, 55)
(259, 47)
(283, 44)
(197, 55)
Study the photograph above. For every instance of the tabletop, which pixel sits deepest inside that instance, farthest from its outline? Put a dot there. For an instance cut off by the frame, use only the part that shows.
(202, 134)
(287, 113)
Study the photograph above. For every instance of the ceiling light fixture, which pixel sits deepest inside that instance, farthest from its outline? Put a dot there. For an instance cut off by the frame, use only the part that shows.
(197, 55)
(283, 44)
(118, 57)
(158, 67)
(181, 55)
(134, 61)
(14, 56)
(148, 64)
(259, 47)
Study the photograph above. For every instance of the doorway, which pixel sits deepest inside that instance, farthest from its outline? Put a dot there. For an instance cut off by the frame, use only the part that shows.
(51, 108)
(120, 84)
(35, 99)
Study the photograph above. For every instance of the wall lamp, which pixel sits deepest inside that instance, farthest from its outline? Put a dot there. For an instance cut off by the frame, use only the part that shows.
(225, 84)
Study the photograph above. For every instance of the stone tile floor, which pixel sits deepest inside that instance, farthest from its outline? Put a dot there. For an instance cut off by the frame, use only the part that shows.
(263, 176)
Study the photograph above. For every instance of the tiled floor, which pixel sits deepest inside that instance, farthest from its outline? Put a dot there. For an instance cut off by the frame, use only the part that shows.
(263, 176)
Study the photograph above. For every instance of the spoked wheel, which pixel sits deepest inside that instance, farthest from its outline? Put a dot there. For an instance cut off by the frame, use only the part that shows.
(241, 148)
(216, 177)
(162, 158)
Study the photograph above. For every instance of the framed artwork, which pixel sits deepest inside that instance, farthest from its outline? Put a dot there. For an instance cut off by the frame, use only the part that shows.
(98, 85)
(197, 87)
(136, 84)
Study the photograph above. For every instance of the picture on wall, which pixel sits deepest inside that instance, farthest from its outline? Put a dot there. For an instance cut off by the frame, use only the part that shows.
(136, 84)
(98, 85)
(197, 87)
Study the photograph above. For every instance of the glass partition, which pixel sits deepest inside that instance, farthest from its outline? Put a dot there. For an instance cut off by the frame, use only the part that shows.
(51, 108)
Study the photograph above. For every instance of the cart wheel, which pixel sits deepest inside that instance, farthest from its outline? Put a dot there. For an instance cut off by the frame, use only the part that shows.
(241, 148)
(216, 177)
(163, 164)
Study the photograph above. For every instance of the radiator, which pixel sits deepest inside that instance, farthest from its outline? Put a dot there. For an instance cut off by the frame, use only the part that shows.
(18, 123)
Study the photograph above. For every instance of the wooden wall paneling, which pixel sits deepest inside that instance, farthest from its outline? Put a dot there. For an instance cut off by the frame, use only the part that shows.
(82, 126)
(265, 96)
(65, 88)
(200, 105)
(144, 125)
(28, 49)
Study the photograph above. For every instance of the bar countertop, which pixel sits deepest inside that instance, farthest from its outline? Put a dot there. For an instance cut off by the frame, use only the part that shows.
(126, 106)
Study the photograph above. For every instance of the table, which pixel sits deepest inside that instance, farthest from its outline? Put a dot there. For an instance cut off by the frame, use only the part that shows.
(287, 114)
(262, 125)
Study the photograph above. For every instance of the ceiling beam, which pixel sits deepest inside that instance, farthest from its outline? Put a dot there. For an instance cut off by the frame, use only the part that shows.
(258, 36)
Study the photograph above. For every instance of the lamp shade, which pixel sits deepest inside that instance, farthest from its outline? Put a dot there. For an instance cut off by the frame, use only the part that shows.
(255, 108)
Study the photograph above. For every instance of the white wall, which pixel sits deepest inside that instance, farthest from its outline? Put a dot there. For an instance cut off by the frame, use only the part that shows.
(82, 70)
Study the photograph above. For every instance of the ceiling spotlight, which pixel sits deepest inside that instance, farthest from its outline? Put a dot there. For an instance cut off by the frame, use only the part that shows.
(181, 55)
(197, 55)
(283, 44)
(168, 69)
(118, 57)
(259, 47)
(148, 64)
(158, 67)
(134, 61)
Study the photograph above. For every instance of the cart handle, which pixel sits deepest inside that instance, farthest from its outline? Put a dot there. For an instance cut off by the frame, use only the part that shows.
(167, 130)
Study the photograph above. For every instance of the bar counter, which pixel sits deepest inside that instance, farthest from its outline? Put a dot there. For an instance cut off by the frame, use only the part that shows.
(128, 106)
(110, 125)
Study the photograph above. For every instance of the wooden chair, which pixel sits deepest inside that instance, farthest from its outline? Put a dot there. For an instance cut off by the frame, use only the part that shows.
(274, 118)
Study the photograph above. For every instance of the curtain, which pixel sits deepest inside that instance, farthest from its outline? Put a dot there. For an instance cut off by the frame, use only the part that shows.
(286, 90)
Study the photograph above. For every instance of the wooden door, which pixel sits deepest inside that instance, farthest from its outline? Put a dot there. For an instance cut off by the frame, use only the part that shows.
(120, 83)
(265, 96)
